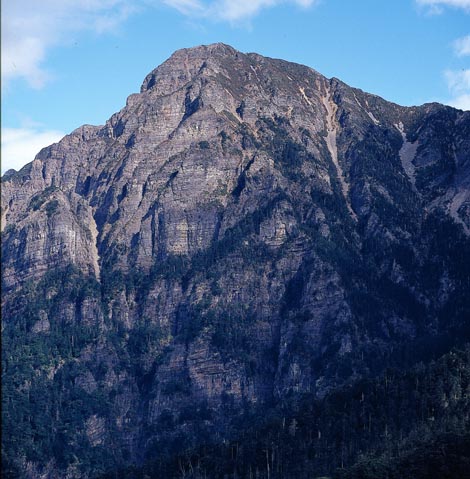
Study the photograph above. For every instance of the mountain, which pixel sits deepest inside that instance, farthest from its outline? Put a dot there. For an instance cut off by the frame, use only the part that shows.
(246, 250)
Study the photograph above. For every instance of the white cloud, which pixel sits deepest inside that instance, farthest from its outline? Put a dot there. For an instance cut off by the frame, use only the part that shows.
(458, 83)
(31, 27)
(230, 10)
(462, 46)
(437, 6)
(186, 7)
(21, 145)
(462, 102)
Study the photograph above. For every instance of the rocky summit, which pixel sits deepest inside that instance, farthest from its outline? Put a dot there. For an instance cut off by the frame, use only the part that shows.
(249, 271)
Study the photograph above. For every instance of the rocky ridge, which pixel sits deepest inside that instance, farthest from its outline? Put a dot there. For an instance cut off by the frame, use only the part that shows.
(243, 231)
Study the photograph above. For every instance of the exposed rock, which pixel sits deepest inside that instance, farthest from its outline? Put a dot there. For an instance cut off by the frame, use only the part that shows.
(243, 231)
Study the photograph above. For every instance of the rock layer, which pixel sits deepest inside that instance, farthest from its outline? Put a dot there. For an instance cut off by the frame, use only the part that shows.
(242, 231)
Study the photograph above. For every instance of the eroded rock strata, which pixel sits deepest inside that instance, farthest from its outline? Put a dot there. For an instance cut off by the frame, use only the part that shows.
(242, 232)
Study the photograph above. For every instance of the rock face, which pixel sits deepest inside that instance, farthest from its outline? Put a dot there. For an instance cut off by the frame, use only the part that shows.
(243, 231)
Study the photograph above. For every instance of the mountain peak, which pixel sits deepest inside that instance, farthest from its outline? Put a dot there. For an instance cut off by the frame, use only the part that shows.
(243, 237)
(211, 48)
(188, 61)
(203, 53)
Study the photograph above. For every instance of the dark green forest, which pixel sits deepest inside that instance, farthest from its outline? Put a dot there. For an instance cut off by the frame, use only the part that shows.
(413, 425)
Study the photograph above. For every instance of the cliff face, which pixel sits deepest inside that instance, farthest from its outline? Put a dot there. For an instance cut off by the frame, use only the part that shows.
(244, 230)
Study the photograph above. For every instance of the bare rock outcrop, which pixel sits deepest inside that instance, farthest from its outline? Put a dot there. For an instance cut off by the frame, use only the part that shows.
(243, 231)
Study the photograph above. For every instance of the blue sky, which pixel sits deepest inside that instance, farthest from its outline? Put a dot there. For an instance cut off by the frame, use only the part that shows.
(70, 62)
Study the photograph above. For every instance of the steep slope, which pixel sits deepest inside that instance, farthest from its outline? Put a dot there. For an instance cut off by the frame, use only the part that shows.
(242, 232)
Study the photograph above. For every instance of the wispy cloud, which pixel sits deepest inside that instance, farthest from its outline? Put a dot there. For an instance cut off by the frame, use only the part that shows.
(186, 7)
(21, 145)
(462, 46)
(30, 28)
(462, 102)
(230, 10)
(437, 6)
(458, 83)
